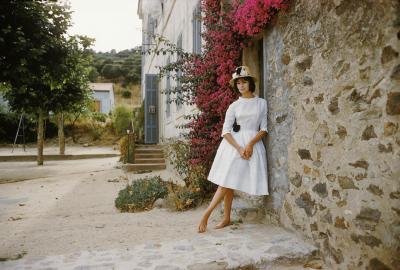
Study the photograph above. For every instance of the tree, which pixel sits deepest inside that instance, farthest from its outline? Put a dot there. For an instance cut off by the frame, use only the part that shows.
(93, 74)
(123, 67)
(75, 92)
(37, 60)
(108, 71)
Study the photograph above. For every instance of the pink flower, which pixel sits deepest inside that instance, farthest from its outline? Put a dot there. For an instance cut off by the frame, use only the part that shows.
(226, 33)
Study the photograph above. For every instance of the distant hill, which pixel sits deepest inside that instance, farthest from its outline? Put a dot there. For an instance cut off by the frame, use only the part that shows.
(122, 67)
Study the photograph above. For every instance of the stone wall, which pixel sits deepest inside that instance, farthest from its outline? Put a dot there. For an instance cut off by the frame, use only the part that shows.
(332, 81)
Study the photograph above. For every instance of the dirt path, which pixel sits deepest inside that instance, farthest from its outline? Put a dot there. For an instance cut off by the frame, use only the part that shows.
(69, 206)
(64, 218)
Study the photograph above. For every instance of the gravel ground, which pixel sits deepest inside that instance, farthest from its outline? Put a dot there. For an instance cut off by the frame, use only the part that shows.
(68, 206)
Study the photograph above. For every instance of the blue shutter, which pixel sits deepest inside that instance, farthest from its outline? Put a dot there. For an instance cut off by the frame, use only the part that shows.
(151, 109)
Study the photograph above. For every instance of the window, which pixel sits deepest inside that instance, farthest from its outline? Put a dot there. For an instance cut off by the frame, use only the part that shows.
(151, 26)
(168, 94)
(197, 29)
(179, 75)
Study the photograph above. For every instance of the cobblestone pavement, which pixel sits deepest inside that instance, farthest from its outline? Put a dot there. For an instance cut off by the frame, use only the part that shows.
(231, 247)
(65, 218)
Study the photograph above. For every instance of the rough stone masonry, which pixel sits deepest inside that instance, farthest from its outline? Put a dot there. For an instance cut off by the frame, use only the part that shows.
(332, 81)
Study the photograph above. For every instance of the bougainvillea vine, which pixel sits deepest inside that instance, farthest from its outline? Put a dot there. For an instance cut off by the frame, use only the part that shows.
(227, 28)
(252, 16)
(205, 78)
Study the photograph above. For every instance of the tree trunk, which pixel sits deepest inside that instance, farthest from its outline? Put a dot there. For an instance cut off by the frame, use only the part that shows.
(40, 138)
(61, 137)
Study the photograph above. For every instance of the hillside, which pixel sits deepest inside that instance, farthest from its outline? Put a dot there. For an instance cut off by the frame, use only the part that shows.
(122, 68)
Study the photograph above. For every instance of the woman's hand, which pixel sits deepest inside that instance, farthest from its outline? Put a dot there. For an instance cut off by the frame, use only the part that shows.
(248, 151)
(242, 153)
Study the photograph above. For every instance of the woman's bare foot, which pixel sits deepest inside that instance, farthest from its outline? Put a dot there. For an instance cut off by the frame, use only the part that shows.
(222, 224)
(203, 224)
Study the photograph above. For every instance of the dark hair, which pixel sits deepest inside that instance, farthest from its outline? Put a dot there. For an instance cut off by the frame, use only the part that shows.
(252, 84)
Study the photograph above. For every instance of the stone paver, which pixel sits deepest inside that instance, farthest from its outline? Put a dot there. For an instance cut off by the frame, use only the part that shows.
(238, 245)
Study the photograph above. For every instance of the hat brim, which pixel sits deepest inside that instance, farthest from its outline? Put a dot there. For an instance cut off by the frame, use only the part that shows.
(238, 77)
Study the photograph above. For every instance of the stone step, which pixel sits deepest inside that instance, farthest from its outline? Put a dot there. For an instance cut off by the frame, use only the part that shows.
(155, 146)
(148, 151)
(149, 160)
(239, 246)
(151, 155)
(245, 210)
(144, 166)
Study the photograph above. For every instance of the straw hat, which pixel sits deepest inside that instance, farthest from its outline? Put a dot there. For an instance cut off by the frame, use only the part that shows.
(241, 72)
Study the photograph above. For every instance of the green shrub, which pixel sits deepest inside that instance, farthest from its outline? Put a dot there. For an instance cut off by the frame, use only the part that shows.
(195, 176)
(183, 197)
(197, 187)
(121, 119)
(141, 194)
(98, 116)
(138, 123)
(178, 154)
(96, 133)
(127, 151)
(126, 93)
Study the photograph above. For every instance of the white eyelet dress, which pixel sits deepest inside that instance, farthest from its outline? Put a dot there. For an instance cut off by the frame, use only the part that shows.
(229, 169)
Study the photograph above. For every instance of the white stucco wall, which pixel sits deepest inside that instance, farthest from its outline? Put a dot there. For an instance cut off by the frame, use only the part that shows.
(175, 19)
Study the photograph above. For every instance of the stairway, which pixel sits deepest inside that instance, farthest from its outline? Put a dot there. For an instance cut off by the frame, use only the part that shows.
(148, 157)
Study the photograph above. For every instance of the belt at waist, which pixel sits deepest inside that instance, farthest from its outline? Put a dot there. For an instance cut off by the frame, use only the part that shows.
(248, 129)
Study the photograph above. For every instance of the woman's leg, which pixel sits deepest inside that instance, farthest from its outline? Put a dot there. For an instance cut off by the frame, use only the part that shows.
(227, 209)
(218, 196)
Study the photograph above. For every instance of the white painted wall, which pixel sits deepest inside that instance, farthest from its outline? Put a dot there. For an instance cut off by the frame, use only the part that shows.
(175, 19)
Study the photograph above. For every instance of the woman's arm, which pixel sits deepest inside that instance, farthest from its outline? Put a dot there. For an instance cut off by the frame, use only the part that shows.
(248, 151)
(263, 130)
(263, 125)
(258, 137)
(227, 130)
(239, 148)
(232, 141)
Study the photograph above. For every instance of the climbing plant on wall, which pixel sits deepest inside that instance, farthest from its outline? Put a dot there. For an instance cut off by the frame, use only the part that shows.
(252, 16)
(205, 78)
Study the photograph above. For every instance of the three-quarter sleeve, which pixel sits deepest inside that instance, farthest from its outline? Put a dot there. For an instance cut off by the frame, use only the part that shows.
(229, 120)
(264, 117)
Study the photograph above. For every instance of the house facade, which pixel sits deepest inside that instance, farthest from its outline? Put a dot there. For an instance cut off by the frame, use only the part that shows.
(103, 95)
(330, 72)
(178, 23)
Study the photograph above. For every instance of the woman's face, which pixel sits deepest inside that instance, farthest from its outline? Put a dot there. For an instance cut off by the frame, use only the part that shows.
(242, 85)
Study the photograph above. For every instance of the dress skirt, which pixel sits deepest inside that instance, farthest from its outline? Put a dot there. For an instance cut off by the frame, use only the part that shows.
(230, 170)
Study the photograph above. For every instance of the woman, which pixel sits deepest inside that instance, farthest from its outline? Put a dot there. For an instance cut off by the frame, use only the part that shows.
(240, 162)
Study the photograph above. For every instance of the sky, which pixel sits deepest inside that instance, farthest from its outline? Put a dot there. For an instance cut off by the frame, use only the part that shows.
(113, 23)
